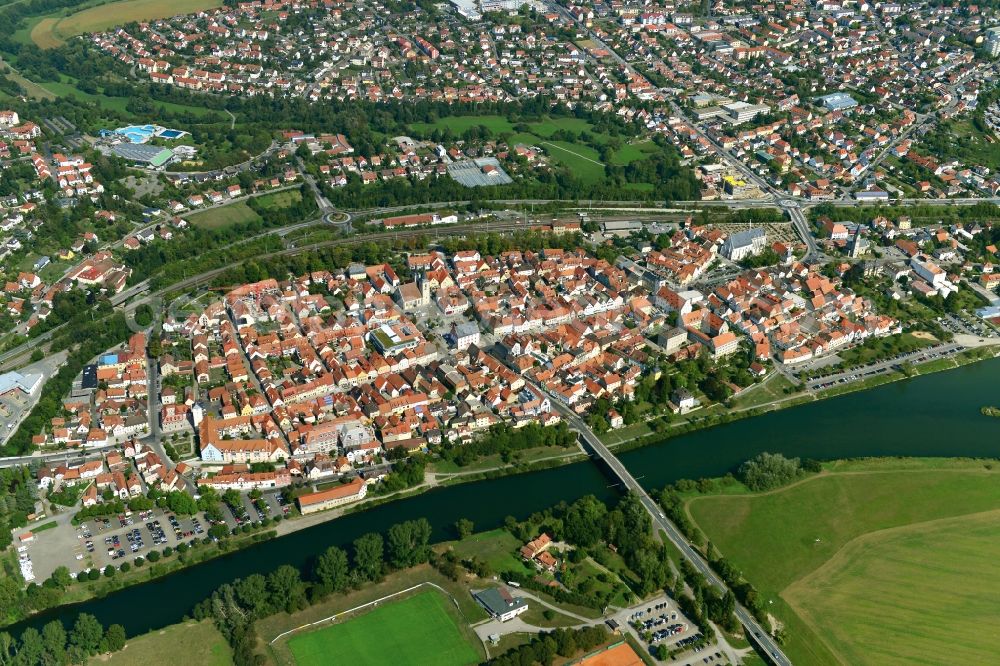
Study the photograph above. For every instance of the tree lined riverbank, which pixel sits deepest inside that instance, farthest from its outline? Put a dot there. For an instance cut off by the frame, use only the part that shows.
(934, 415)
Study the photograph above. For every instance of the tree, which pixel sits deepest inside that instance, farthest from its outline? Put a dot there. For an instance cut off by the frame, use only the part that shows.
(114, 638)
(54, 642)
(584, 523)
(86, 634)
(253, 594)
(32, 648)
(407, 543)
(286, 589)
(464, 527)
(61, 578)
(767, 471)
(332, 570)
(369, 554)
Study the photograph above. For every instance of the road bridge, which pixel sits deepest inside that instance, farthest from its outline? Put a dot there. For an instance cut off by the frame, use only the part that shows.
(620, 474)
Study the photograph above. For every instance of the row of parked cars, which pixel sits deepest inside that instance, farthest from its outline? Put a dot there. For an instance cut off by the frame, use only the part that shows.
(667, 632)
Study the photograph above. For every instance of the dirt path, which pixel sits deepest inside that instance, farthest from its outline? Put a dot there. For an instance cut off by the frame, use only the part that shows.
(575, 154)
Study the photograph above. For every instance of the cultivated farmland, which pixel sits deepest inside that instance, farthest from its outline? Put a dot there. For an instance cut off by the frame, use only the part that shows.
(54, 31)
(932, 587)
(781, 539)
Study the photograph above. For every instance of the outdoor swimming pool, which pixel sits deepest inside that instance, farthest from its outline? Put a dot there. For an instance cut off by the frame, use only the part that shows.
(143, 133)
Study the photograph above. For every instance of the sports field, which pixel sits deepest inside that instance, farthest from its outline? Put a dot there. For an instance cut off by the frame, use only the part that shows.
(416, 631)
(53, 31)
(850, 560)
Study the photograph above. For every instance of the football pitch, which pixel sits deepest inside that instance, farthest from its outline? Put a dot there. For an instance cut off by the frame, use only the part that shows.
(416, 631)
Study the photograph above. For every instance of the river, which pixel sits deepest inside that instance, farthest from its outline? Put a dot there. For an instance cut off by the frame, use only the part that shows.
(934, 415)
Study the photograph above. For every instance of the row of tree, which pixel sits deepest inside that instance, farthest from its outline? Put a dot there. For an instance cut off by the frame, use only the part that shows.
(54, 646)
(236, 606)
(506, 440)
(546, 647)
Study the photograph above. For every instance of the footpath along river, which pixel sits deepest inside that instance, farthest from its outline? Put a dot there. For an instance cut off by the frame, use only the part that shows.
(934, 415)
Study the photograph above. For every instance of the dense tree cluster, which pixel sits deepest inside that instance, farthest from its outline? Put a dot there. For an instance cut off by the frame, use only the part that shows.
(768, 470)
(590, 525)
(54, 646)
(17, 500)
(506, 440)
(545, 648)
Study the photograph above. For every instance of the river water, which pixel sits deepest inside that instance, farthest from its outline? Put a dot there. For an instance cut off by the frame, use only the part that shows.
(934, 415)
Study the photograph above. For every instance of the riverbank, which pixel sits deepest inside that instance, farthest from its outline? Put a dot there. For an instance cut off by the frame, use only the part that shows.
(537, 460)
(716, 415)
(934, 415)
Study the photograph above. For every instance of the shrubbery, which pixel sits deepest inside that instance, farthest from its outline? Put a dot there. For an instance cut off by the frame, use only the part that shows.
(767, 471)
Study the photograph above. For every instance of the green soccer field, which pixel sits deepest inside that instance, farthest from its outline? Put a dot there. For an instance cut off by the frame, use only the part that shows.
(417, 631)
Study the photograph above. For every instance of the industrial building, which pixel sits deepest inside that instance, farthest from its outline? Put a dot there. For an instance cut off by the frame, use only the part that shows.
(838, 101)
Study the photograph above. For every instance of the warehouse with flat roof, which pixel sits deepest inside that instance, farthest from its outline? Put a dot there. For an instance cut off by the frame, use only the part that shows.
(153, 156)
(838, 101)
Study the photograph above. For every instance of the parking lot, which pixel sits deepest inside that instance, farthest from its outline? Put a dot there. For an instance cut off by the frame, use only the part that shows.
(270, 505)
(967, 324)
(118, 539)
(98, 542)
(882, 367)
(660, 622)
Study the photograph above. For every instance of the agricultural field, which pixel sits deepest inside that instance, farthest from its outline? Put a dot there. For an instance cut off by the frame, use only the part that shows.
(203, 646)
(835, 532)
(419, 630)
(223, 216)
(52, 31)
(932, 587)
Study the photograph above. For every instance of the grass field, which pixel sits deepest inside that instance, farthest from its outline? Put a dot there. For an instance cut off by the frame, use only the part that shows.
(781, 538)
(278, 200)
(54, 31)
(223, 216)
(932, 586)
(195, 643)
(418, 630)
(580, 158)
(496, 548)
(772, 389)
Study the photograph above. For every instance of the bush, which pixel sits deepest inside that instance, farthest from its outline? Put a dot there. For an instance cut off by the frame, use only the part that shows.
(768, 470)
(182, 547)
